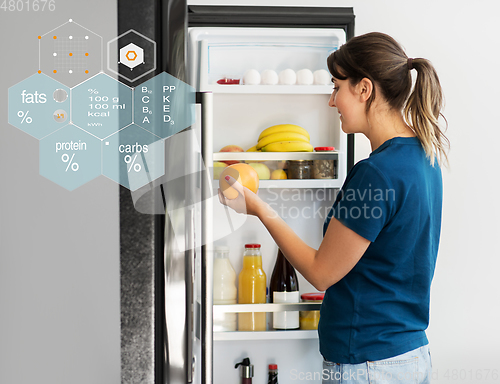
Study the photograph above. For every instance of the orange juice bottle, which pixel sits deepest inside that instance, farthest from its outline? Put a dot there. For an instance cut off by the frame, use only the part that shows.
(252, 289)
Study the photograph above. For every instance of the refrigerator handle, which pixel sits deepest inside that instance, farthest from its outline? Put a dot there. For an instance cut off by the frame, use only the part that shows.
(189, 275)
(205, 98)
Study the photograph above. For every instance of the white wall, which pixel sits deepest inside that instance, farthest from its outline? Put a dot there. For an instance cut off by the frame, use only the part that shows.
(462, 43)
(59, 250)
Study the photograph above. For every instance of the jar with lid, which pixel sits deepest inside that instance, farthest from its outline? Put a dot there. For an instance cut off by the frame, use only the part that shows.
(324, 169)
(310, 319)
(252, 289)
(299, 169)
(224, 291)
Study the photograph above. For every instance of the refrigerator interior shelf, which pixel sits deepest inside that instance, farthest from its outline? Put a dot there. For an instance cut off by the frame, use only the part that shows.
(267, 307)
(271, 89)
(266, 335)
(293, 183)
(275, 156)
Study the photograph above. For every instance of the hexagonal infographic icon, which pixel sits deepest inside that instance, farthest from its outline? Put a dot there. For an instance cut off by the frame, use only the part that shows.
(164, 105)
(70, 157)
(133, 157)
(101, 105)
(39, 105)
(132, 55)
(70, 53)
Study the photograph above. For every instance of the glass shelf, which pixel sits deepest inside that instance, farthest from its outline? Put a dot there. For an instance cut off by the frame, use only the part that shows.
(270, 89)
(275, 156)
(293, 184)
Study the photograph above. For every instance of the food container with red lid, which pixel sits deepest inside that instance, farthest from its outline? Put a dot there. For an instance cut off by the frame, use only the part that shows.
(252, 245)
(324, 169)
(310, 319)
(312, 297)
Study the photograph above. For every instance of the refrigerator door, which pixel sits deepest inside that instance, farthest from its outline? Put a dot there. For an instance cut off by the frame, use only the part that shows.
(179, 257)
(188, 196)
(157, 226)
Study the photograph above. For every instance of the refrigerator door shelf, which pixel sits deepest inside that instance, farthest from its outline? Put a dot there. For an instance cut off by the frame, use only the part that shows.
(267, 307)
(266, 335)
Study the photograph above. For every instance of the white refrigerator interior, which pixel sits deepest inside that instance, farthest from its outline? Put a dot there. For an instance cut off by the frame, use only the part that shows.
(240, 113)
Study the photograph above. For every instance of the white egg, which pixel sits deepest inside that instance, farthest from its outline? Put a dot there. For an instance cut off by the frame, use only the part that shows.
(304, 77)
(322, 77)
(251, 77)
(288, 77)
(269, 77)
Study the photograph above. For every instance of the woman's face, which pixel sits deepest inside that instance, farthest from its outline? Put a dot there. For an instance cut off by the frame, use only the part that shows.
(348, 101)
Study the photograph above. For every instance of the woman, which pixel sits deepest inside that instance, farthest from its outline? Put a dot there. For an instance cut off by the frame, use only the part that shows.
(378, 254)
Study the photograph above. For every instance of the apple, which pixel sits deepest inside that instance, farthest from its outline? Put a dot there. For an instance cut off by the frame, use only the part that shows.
(231, 148)
(262, 170)
(218, 168)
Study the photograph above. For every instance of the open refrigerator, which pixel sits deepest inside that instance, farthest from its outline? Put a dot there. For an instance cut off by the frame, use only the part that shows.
(168, 233)
(225, 42)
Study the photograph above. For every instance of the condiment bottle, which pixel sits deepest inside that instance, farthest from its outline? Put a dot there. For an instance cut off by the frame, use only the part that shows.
(225, 290)
(246, 371)
(284, 288)
(252, 289)
(273, 374)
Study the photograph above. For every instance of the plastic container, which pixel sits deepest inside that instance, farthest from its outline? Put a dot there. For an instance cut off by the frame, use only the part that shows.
(252, 289)
(225, 291)
(300, 169)
(310, 319)
(324, 169)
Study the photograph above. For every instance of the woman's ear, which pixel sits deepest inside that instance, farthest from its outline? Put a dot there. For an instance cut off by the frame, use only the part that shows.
(365, 89)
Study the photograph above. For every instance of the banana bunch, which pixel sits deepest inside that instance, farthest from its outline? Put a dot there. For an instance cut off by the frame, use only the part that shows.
(283, 138)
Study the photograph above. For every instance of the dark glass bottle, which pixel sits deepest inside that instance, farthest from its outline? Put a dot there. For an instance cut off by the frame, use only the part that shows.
(273, 374)
(284, 288)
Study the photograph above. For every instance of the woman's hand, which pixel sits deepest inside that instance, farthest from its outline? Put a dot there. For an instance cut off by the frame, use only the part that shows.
(246, 202)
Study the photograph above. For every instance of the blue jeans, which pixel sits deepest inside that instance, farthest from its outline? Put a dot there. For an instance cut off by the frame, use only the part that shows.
(413, 367)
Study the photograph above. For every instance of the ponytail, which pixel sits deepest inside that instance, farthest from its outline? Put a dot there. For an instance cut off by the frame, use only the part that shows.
(381, 59)
(423, 109)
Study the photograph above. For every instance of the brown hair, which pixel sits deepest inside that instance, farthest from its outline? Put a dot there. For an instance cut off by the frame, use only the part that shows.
(381, 59)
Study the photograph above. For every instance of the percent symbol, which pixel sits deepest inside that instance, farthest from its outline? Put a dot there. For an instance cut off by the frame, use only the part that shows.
(93, 91)
(24, 116)
(128, 159)
(65, 159)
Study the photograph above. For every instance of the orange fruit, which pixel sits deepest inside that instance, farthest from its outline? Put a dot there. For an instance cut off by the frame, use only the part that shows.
(244, 174)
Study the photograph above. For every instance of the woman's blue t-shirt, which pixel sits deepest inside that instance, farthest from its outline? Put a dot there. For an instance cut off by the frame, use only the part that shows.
(380, 308)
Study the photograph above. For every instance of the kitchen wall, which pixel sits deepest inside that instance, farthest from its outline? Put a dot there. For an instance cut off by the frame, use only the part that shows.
(462, 43)
(59, 250)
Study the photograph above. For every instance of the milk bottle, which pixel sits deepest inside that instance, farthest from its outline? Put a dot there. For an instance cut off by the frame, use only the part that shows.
(224, 289)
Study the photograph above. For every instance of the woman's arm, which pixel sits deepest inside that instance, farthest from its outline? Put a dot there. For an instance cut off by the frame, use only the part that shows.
(338, 253)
